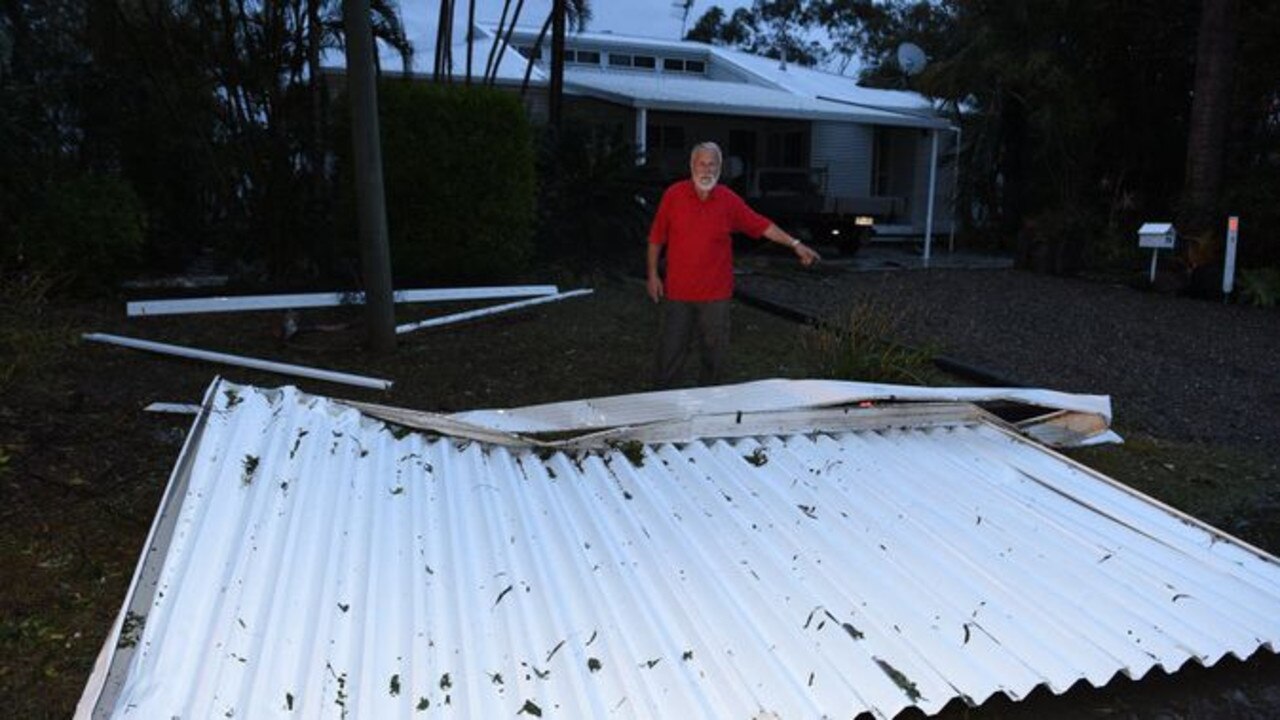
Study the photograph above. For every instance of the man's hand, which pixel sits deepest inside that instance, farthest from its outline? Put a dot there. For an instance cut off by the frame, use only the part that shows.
(807, 255)
(655, 288)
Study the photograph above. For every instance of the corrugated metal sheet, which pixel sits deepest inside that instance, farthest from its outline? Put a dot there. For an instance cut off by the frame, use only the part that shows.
(310, 561)
(663, 91)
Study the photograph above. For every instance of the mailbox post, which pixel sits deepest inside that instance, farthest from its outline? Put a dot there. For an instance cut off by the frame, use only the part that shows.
(1157, 236)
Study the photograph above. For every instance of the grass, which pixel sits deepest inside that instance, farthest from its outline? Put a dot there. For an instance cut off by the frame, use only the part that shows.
(82, 468)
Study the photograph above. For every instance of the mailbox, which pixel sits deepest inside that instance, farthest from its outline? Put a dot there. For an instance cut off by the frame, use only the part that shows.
(1157, 236)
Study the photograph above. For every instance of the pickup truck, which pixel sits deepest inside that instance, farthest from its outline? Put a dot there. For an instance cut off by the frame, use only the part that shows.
(796, 199)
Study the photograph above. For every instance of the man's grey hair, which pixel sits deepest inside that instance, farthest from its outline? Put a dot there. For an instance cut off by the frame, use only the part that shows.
(710, 147)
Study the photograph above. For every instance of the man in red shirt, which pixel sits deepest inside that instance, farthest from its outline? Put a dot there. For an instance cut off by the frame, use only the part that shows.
(694, 222)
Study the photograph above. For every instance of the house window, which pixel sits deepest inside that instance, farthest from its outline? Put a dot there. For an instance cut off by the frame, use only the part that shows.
(681, 65)
(785, 149)
(582, 57)
(666, 137)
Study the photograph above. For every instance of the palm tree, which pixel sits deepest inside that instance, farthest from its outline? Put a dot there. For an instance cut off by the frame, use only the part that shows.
(1210, 107)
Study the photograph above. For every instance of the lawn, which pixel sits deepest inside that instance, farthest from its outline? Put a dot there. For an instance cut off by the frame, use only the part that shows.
(82, 466)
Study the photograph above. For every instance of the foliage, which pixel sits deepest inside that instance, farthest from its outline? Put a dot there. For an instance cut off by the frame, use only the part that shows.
(29, 341)
(213, 113)
(88, 231)
(772, 28)
(862, 343)
(458, 167)
(589, 209)
(1261, 286)
(1064, 107)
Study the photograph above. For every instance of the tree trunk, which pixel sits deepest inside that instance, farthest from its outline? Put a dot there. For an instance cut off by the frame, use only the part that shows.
(557, 64)
(1210, 106)
(375, 257)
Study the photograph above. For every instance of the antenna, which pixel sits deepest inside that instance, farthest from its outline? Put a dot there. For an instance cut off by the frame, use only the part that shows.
(681, 10)
(911, 58)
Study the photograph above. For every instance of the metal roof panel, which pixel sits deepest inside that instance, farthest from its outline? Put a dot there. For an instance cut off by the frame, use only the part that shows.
(322, 562)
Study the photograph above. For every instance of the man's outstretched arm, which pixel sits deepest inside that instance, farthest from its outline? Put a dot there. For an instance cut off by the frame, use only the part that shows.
(806, 254)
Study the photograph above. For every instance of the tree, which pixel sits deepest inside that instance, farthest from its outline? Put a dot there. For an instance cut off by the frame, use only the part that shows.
(1210, 108)
(772, 28)
(375, 256)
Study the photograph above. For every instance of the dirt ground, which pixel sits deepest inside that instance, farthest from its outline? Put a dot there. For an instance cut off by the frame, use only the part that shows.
(82, 466)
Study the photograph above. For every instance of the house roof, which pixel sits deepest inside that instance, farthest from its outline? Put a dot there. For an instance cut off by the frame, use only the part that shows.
(828, 559)
(656, 91)
(761, 87)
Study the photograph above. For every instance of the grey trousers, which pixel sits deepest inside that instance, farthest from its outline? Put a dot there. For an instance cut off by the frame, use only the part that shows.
(681, 322)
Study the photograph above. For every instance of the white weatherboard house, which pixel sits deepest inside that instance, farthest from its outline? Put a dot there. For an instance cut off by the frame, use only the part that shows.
(775, 549)
(866, 151)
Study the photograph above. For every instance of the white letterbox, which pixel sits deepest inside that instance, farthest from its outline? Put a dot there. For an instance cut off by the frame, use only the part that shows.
(1157, 236)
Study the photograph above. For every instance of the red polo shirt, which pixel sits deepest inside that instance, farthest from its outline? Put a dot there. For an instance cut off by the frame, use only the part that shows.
(697, 235)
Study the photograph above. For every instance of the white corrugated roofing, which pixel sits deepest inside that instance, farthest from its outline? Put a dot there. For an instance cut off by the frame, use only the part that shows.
(666, 91)
(771, 91)
(311, 561)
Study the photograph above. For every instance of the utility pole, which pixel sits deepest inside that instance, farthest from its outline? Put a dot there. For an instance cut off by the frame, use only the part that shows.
(375, 257)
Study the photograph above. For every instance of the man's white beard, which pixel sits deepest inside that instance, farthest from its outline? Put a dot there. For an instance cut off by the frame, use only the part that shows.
(705, 184)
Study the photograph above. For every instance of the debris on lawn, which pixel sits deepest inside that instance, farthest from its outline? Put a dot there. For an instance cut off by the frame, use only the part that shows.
(312, 300)
(470, 314)
(175, 408)
(240, 361)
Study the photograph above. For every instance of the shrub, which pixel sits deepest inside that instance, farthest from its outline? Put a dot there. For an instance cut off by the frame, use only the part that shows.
(1055, 241)
(1260, 286)
(87, 233)
(860, 344)
(589, 210)
(458, 169)
(29, 342)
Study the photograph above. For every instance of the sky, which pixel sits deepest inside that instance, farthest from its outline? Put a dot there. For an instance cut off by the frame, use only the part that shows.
(646, 18)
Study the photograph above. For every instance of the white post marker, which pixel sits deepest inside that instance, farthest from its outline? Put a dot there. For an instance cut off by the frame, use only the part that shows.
(1229, 262)
(240, 361)
(933, 184)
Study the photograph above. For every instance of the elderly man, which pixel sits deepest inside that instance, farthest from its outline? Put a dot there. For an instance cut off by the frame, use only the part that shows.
(694, 221)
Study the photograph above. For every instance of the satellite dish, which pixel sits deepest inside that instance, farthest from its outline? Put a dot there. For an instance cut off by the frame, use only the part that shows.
(911, 58)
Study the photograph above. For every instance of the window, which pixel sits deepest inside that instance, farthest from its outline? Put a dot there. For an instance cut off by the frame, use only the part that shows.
(682, 65)
(646, 62)
(616, 60)
(585, 57)
(666, 137)
(530, 51)
(785, 149)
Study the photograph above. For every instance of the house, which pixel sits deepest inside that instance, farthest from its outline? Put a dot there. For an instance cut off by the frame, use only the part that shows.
(799, 141)
(884, 153)
(781, 548)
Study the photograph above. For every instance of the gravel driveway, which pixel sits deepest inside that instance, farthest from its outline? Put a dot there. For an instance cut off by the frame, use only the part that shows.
(1174, 367)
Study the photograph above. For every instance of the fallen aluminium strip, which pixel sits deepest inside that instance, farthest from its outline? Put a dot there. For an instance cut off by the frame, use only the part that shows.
(174, 408)
(470, 314)
(308, 300)
(241, 361)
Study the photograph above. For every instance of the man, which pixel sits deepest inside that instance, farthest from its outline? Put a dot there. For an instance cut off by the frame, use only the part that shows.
(694, 222)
